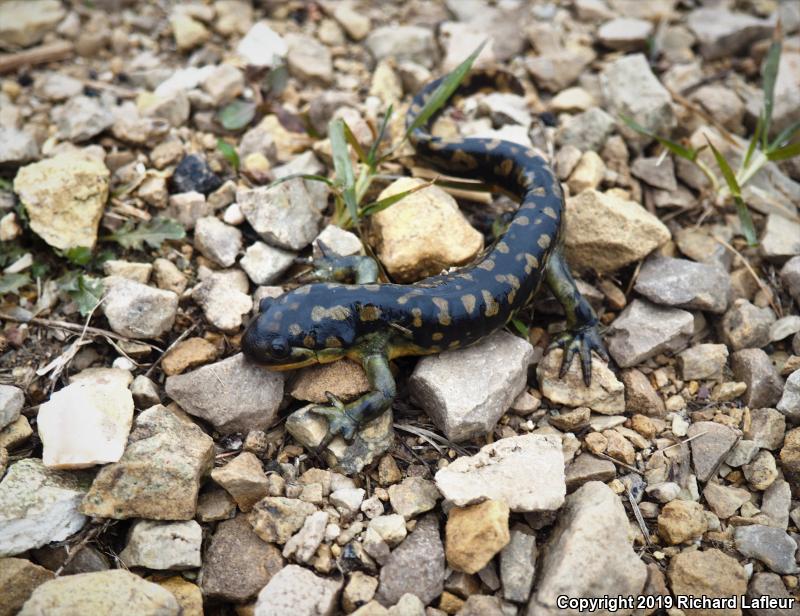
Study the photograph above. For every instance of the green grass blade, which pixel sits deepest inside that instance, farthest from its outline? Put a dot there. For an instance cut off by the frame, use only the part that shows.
(785, 136)
(784, 153)
(373, 151)
(229, 153)
(305, 176)
(445, 90)
(523, 329)
(343, 166)
(736, 191)
(747, 221)
(351, 139)
(689, 154)
(770, 77)
(377, 206)
(753, 141)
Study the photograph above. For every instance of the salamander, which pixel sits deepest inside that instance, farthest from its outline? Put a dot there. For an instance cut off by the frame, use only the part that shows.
(346, 313)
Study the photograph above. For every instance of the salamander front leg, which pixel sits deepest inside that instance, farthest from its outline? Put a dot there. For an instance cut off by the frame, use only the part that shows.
(346, 419)
(581, 336)
(332, 267)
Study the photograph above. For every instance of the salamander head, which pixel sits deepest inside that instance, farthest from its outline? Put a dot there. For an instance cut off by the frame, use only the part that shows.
(285, 335)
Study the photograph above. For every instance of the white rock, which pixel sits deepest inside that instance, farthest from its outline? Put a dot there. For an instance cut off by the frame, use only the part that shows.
(224, 84)
(11, 401)
(183, 80)
(339, 241)
(305, 542)
(391, 528)
(163, 545)
(85, 424)
(137, 310)
(217, 241)
(264, 264)
(17, 146)
(25, 22)
(297, 591)
(526, 472)
(224, 299)
(262, 46)
(347, 500)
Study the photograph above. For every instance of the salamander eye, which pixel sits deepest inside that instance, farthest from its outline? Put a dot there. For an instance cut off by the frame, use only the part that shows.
(279, 348)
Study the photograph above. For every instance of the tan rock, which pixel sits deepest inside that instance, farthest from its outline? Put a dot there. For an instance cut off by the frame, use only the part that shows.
(244, 479)
(18, 579)
(710, 573)
(596, 442)
(422, 234)
(15, 433)
(605, 395)
(188, 353)
(474, 535)
(604, 232)
(345, 379)
(188, 595)
(644, 426)
(619, 447)
(681, 521)
(587, 174)
(640, 396)
(188, 32)
(64, 198)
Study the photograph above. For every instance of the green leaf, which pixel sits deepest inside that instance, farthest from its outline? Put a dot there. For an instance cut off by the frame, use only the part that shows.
(237, 115)
(523, 329)
(733, 185)
(377, 206)
(153, 233)
(785, 136)
(753, 141)
(305, 176)
(277, 79)
(345, 178)
(785, 153)
(85, 291)
(11, 283)
(373, 151)
(79, 255)
(770, 77)
(689, 154)
(229, 153)
(351, 139)
(445, 90)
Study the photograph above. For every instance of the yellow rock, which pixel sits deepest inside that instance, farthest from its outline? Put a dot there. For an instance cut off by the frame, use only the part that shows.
(190, 353)
(188, 32)
(344, 378)
(189, 596)
(474, 535)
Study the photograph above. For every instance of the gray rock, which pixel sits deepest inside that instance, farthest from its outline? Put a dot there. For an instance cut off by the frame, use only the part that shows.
(285, 215)
(308, 163)
(38, 505)
(224, 299)
(416, 566)
(591, 538)
(559, 68)
(82, 118)
(625, 33)
(684, 284)
(518, 566)
(772, 546)
(261, 46)
(237, 563)
(234, 395)
(754, 368)
(138, 310)
(644, 330)
(308, 59)
(11, 401)
(784, 327)
(224, 84)
(187, 208)
(145, 392)
(710, 449)
(586, 131)
(17, 146)
(264, 264)
(789, 403)
(158, 476)
(163, 545)
(338, 240)
(295, 590)
(631, 89)
(24, 23)
(723, 33)
(303, 545)
(790, 277)
(217, 241)
(781, 239)
(276, 518)
(413, 496)
(525, 472)
(657, 171)
(746, 326)
(586, 468)
(776, 502)
(771, 586)
(403, 43)
(767, 427)
(724, 501)
(742, 453)
(466, 391)
(704, 361)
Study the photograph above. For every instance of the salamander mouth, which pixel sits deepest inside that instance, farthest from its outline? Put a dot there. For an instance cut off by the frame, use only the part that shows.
(264, 350)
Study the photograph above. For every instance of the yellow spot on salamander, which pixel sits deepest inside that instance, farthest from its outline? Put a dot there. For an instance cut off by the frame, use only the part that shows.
(417, 314)
(437, 336)
(492, 307)
(521, 220)
(531, 263)
(550, 213)
(469, 302)
(332, 342)
(295, 329)
(487, 265)
(466, 161)
(543, 241)
(309, 342)
(444, 310)
(502, 247)
(337, 313)
(505, 167)
(493, 144)
(370, 313)
(454, 344)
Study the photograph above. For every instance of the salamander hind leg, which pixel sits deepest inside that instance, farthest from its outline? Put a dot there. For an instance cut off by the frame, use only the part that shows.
(581, 336)
(332, 267)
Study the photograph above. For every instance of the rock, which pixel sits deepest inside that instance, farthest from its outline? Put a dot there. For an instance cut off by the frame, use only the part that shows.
(572, 100)
(588, 174)
(163, 545)
(26, 22)
(137, 310)
(789, 403)
(466, 391)
(276, 518)
(709, 573)
(265, 264)
(194, 175)
(779, 241)
(475, 534)
(158, 476)
(82, 118)
(767, 427)
(723, 33)
(145, 392)
(103, 592)
(525, 472)
(413, 496)
(619, 447)
(605, 233)
(703, 361)
(217, 241)
(591, 537)
(304, 544)
(742, 453)
(605, 395)
(12, 400)
(631, 89)
(308, 59)
(790, 277)
(724, 501)
(764, 385)
(38, 506)
(588, 129)
(339, 241)
(64, 198)
(776, 502)
(746, 326)
(188, 353)
(234, 395)
(298, 591)
(244, 479)
(762, 471)
(766, 588)
(403, 43)
(188, 595)
(416, 566)
(189, 33)
(85, 424)
(640, 397)
(262, 47)
(625, 33)
(355, 23)
(560, 68)
(173, 107)
(138, 272)
(188, 208)
(790, 458)
(586, 468)
(17, 146)
(391, 528)
(722, 104)
(644, 330)
(571, 420)
(224, 299)
(422, 234)
(344, 378)
(684, 284)
(681, 521)
(710, 449)
(772, 546)
(656, 172)
(237, 563)
(284, 215)
(784, 327)
(224, 84)
(15, 433)
(518, 565)
(18, 579)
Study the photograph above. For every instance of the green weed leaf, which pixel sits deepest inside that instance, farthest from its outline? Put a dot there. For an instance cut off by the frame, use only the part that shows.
(343, 166)
(84, 290)
(153, 233)
(523, 329)
(78, 255)
(237, 114)
(229, 153)
(372, 155)
(11, 283)
(786, 135)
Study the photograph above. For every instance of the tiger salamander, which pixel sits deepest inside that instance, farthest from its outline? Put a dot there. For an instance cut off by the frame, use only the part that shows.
(374, 323)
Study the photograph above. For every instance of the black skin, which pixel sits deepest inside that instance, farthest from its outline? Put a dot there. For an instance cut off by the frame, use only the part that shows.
(353, 316)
